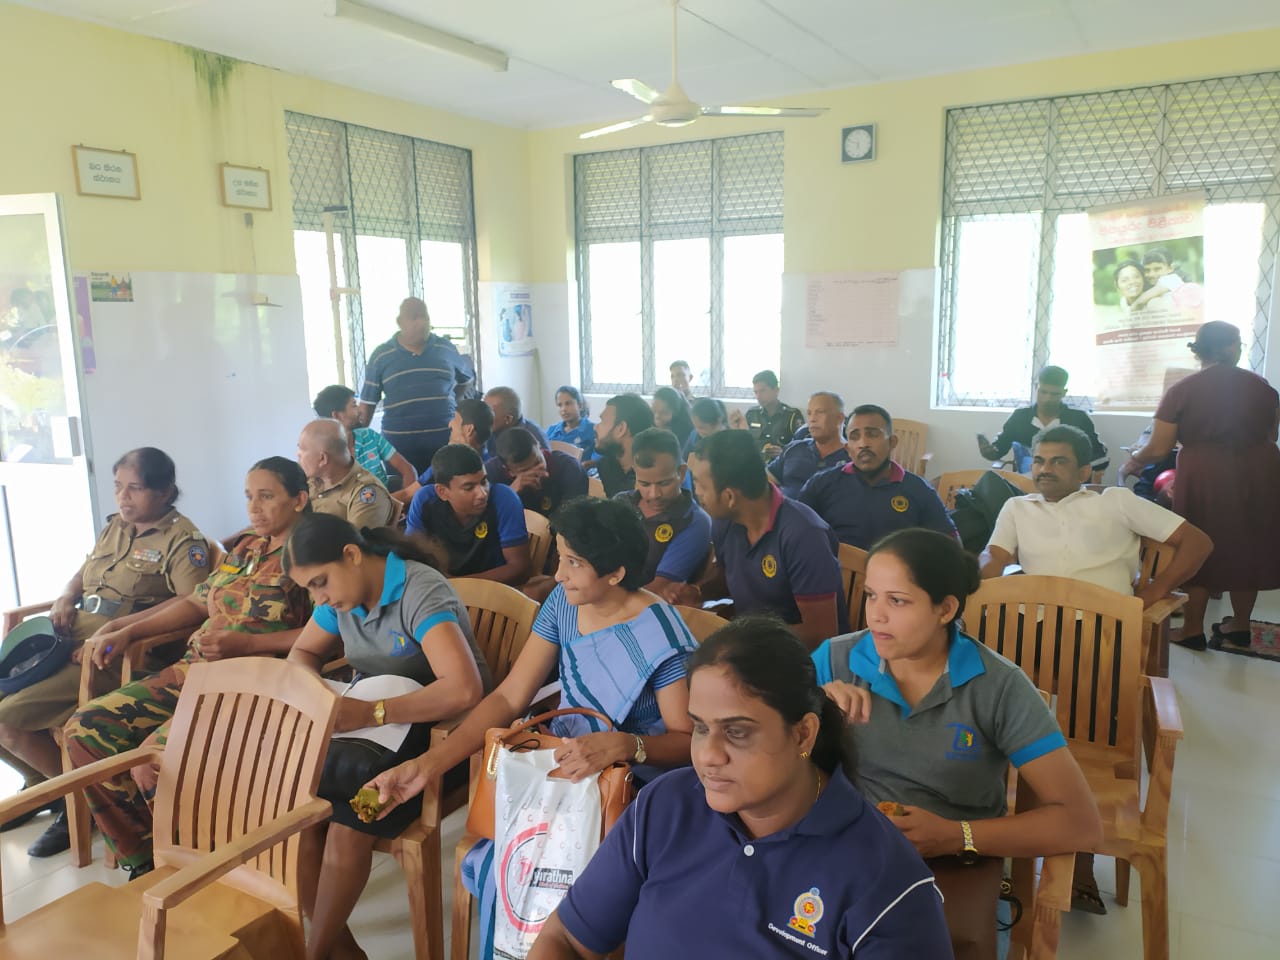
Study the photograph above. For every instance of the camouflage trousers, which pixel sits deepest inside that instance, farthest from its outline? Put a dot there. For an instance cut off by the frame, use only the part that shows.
(112, 725)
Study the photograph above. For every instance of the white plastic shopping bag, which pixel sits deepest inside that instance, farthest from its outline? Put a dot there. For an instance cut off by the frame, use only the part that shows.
(545, 831)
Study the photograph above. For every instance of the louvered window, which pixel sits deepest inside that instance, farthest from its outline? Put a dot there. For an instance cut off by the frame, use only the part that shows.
(679, 257)
(403, 225)
(1018, 180)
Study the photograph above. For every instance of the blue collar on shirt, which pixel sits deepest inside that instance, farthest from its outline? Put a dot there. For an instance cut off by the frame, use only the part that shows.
(895, 474)
(964, 662)
(392, 586)
(839, 805)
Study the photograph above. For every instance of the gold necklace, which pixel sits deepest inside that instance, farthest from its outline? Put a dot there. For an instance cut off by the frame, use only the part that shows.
(819, 793)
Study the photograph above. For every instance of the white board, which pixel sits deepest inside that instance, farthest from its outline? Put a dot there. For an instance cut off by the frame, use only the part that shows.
(194, 367)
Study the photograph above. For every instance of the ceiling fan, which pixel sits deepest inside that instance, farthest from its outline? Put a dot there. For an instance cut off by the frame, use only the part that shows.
(673, 108)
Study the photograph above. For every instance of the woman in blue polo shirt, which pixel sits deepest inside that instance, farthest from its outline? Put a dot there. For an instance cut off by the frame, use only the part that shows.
(938, 719)
(380, 600)
(575, 426)
(769, 826)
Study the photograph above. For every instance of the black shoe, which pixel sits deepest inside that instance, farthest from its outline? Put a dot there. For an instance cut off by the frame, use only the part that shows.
(53, 806)
(140, 870)
(1194, 642)
(55, 839)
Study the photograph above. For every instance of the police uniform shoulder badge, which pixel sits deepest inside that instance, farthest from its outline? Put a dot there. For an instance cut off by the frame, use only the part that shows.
(899, 504)
(769, 566)
(482, 530)
(367, 493)
(664, 533)
(198, 555)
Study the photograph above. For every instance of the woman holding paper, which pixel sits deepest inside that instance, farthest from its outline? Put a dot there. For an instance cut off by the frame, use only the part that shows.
(620, 650)
(381, 602)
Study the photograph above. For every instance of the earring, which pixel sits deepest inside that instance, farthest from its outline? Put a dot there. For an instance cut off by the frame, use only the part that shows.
(804, 755)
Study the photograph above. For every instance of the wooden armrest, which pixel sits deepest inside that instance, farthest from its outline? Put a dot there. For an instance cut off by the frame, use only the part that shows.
(334, 665)
(37, 796)
(1168, 716)
(1054, 888)
(173, 890)
(15, 616)
(1163, 609)
(443, 728)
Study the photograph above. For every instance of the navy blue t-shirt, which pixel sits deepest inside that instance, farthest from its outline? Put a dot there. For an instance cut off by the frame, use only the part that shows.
(861, 513)
(843, 882)
(800, 461)
(502, 525)
(416, 389)
(565, 480)
(795, 559)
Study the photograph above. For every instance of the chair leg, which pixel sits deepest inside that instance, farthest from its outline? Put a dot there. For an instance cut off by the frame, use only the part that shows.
(79, 822)
(420, 860)
(1122, 882)
(460, 935)
(1152, 867)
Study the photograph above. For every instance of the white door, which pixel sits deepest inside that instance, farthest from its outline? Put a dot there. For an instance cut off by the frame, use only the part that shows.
(46, 510)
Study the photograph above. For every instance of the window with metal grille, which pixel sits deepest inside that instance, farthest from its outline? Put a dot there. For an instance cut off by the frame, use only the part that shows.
(1018, 180)
(679, 257)
(400, 214)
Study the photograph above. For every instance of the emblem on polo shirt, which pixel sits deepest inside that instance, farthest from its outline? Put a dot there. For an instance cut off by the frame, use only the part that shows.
(546, 503)
(400, 645)
(899, 504)
(769, 566)
(366, 493)
(964, 743)
(663, 533)
(482, 530)
(806, 912)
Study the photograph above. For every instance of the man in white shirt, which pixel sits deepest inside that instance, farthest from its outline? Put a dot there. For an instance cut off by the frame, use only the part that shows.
(1067, 531)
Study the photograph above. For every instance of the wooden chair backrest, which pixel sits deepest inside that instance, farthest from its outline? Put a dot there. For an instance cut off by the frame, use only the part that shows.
(246, 745)
(1096, 675)
(501, 621)
(1153, 556)
(539, 528)
(595, 488)
(569, 448)
(913, 438)
(956, 480)
(701, 623)
(853, 565)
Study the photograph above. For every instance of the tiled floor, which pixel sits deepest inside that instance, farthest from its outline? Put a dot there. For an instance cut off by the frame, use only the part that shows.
(1224, 835)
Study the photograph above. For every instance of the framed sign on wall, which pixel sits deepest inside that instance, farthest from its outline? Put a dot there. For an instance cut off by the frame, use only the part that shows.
(106, 173)
(245, 186)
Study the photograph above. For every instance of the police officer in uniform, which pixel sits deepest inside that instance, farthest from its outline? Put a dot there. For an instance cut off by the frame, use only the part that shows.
(146, 554)
(339, 485)
(772, 422)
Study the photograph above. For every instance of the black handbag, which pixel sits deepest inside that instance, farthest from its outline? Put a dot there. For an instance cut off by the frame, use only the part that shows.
(351, 763)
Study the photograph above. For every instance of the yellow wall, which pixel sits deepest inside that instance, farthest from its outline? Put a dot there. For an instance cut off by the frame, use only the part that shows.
(882, 215)
(71, 82)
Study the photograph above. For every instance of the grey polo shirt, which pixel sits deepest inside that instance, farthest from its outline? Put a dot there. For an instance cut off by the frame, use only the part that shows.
(950, 754)
(387, 639)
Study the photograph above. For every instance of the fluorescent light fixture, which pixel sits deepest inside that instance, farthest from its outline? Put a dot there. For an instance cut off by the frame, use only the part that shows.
(420, 33)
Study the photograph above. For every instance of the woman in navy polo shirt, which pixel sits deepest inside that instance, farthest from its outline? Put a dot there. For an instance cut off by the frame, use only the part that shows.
(938, 719)
(775, 855)
(381, 601)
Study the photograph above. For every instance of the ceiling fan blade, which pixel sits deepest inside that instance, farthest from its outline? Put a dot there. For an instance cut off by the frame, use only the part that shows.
(614, 128)
(638, 89)
(763, 111)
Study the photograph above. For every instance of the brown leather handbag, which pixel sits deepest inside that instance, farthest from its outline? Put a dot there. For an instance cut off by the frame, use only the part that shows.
(617, 789)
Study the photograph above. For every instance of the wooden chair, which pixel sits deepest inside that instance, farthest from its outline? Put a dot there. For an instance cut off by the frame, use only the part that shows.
(853, 565)
(1102, 698)
(540, 541)
(501, 621)
(237, 786)
(1154, 556)
(568, 448)
(954, 480)
(595, 488)
(912, 444)
(701, 623)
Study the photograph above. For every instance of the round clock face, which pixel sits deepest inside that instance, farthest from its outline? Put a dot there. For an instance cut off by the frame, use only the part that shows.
(857, 144)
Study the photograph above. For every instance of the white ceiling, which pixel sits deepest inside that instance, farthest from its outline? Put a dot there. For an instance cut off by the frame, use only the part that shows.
(564, 53)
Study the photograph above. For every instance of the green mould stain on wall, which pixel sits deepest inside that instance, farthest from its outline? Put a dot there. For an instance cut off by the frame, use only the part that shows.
(213, 71)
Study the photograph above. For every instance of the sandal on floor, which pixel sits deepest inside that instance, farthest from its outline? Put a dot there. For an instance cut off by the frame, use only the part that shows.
(1086, 899)
(1194, 642)
(1238, 638)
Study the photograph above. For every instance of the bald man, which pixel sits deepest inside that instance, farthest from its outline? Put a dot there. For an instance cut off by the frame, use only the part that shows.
(339, 485)
(417, 376)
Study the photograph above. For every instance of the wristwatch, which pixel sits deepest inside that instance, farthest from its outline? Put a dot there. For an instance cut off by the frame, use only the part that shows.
(969, 855)
(640, 755)
(380, 712)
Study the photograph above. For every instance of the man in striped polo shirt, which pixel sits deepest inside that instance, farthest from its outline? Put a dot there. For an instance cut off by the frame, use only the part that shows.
(416, 375)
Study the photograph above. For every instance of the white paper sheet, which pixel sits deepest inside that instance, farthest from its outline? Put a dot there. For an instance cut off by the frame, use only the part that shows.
(390, 735)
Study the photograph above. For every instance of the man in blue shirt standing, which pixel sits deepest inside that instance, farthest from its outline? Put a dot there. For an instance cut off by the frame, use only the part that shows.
(823, 448)
(416, 375)
(773, 555)
(481, 529)
(871, 495)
